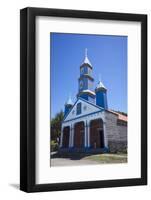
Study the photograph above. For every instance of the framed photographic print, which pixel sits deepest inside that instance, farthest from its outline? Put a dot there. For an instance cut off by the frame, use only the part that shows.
(83, 99)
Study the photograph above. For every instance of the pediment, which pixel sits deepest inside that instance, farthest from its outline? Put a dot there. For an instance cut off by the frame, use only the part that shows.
(86, 109)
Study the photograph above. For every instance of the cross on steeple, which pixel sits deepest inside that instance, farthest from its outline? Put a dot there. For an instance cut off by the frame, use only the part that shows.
(100, 77)
(86, 52)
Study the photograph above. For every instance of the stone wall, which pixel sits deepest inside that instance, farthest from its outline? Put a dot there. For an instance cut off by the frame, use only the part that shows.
(116, 133)
(117, 146)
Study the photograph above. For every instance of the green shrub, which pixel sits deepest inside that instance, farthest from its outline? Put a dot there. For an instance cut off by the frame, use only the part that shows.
(54, 146)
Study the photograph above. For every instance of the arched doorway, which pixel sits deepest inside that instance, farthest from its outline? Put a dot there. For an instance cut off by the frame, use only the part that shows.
(96, 133)
(79, 135)
(66, 133)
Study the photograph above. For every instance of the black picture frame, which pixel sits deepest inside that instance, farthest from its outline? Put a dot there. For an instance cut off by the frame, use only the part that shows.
(28, 99)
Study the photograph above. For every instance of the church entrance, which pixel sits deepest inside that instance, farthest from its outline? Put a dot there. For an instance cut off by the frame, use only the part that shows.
(79, 135)
(66, 133)
(96, 134)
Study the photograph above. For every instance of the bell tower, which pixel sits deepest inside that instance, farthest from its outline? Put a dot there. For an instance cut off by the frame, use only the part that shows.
(101, 95)
(86, 80)
(68, 106)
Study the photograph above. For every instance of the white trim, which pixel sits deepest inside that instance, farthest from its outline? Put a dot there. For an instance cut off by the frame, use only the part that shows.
(89, 91)
(70, 136)
(61, 138)
(88, 133)
(85, 134)
(105, 135)
(72, 141)
(90, 109)
(86, 118)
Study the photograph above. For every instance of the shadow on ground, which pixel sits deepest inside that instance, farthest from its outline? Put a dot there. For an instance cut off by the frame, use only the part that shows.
(15, 185)
(71, 156)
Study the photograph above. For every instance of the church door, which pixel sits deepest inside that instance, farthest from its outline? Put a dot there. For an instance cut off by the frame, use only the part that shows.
(101, 138)
(96, 134)
(79, 135)
(66, 133)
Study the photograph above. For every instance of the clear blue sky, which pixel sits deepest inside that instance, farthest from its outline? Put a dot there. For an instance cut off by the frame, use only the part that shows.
(107, 54)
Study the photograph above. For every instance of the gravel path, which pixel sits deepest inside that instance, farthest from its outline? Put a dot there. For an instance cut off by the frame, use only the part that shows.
(87, 160)
(69, 162)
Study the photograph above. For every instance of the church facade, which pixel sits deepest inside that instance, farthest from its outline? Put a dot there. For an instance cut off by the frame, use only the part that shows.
(88, 124)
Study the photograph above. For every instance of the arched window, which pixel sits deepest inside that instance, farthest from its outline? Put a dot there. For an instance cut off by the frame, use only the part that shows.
(78, 108)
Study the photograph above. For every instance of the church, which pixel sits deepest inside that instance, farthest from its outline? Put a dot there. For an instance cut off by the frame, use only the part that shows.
(88, 124)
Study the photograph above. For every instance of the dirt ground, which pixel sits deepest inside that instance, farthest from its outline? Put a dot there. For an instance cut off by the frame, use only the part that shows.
(88, 159)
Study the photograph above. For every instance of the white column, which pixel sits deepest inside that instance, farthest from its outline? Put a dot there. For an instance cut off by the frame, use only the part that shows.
(70, 136)
(72, 139)
(85, 134)
(61, 137)
(105, 135)
(88, 133)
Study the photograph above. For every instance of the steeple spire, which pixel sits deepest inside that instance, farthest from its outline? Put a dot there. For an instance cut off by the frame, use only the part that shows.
(69, 101)
(86, 60)
(100, 84)
(99, 77)
(86, 52)
(68, 105)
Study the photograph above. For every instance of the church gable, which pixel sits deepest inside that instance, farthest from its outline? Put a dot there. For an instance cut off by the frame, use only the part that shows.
(81, 108)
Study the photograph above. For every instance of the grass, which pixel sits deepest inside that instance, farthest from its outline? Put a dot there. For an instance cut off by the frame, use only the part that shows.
(108, 158)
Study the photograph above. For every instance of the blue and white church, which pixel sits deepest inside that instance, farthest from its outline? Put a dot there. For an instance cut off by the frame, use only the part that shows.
(88, 124)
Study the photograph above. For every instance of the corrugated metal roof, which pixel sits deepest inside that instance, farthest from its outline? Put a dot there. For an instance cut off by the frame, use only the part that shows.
(120, 116)
(69, 101)
(100, 85)
(89, 91)
(86, 60)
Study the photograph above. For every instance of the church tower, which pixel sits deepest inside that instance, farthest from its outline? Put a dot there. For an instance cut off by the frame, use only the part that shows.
(68, 106)
(86, 80)
(101, 95)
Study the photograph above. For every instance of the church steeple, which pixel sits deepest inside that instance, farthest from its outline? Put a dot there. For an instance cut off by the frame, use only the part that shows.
(68, 105)
(86, 80)
(86, 60)
(101, 95)
(86, 52)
